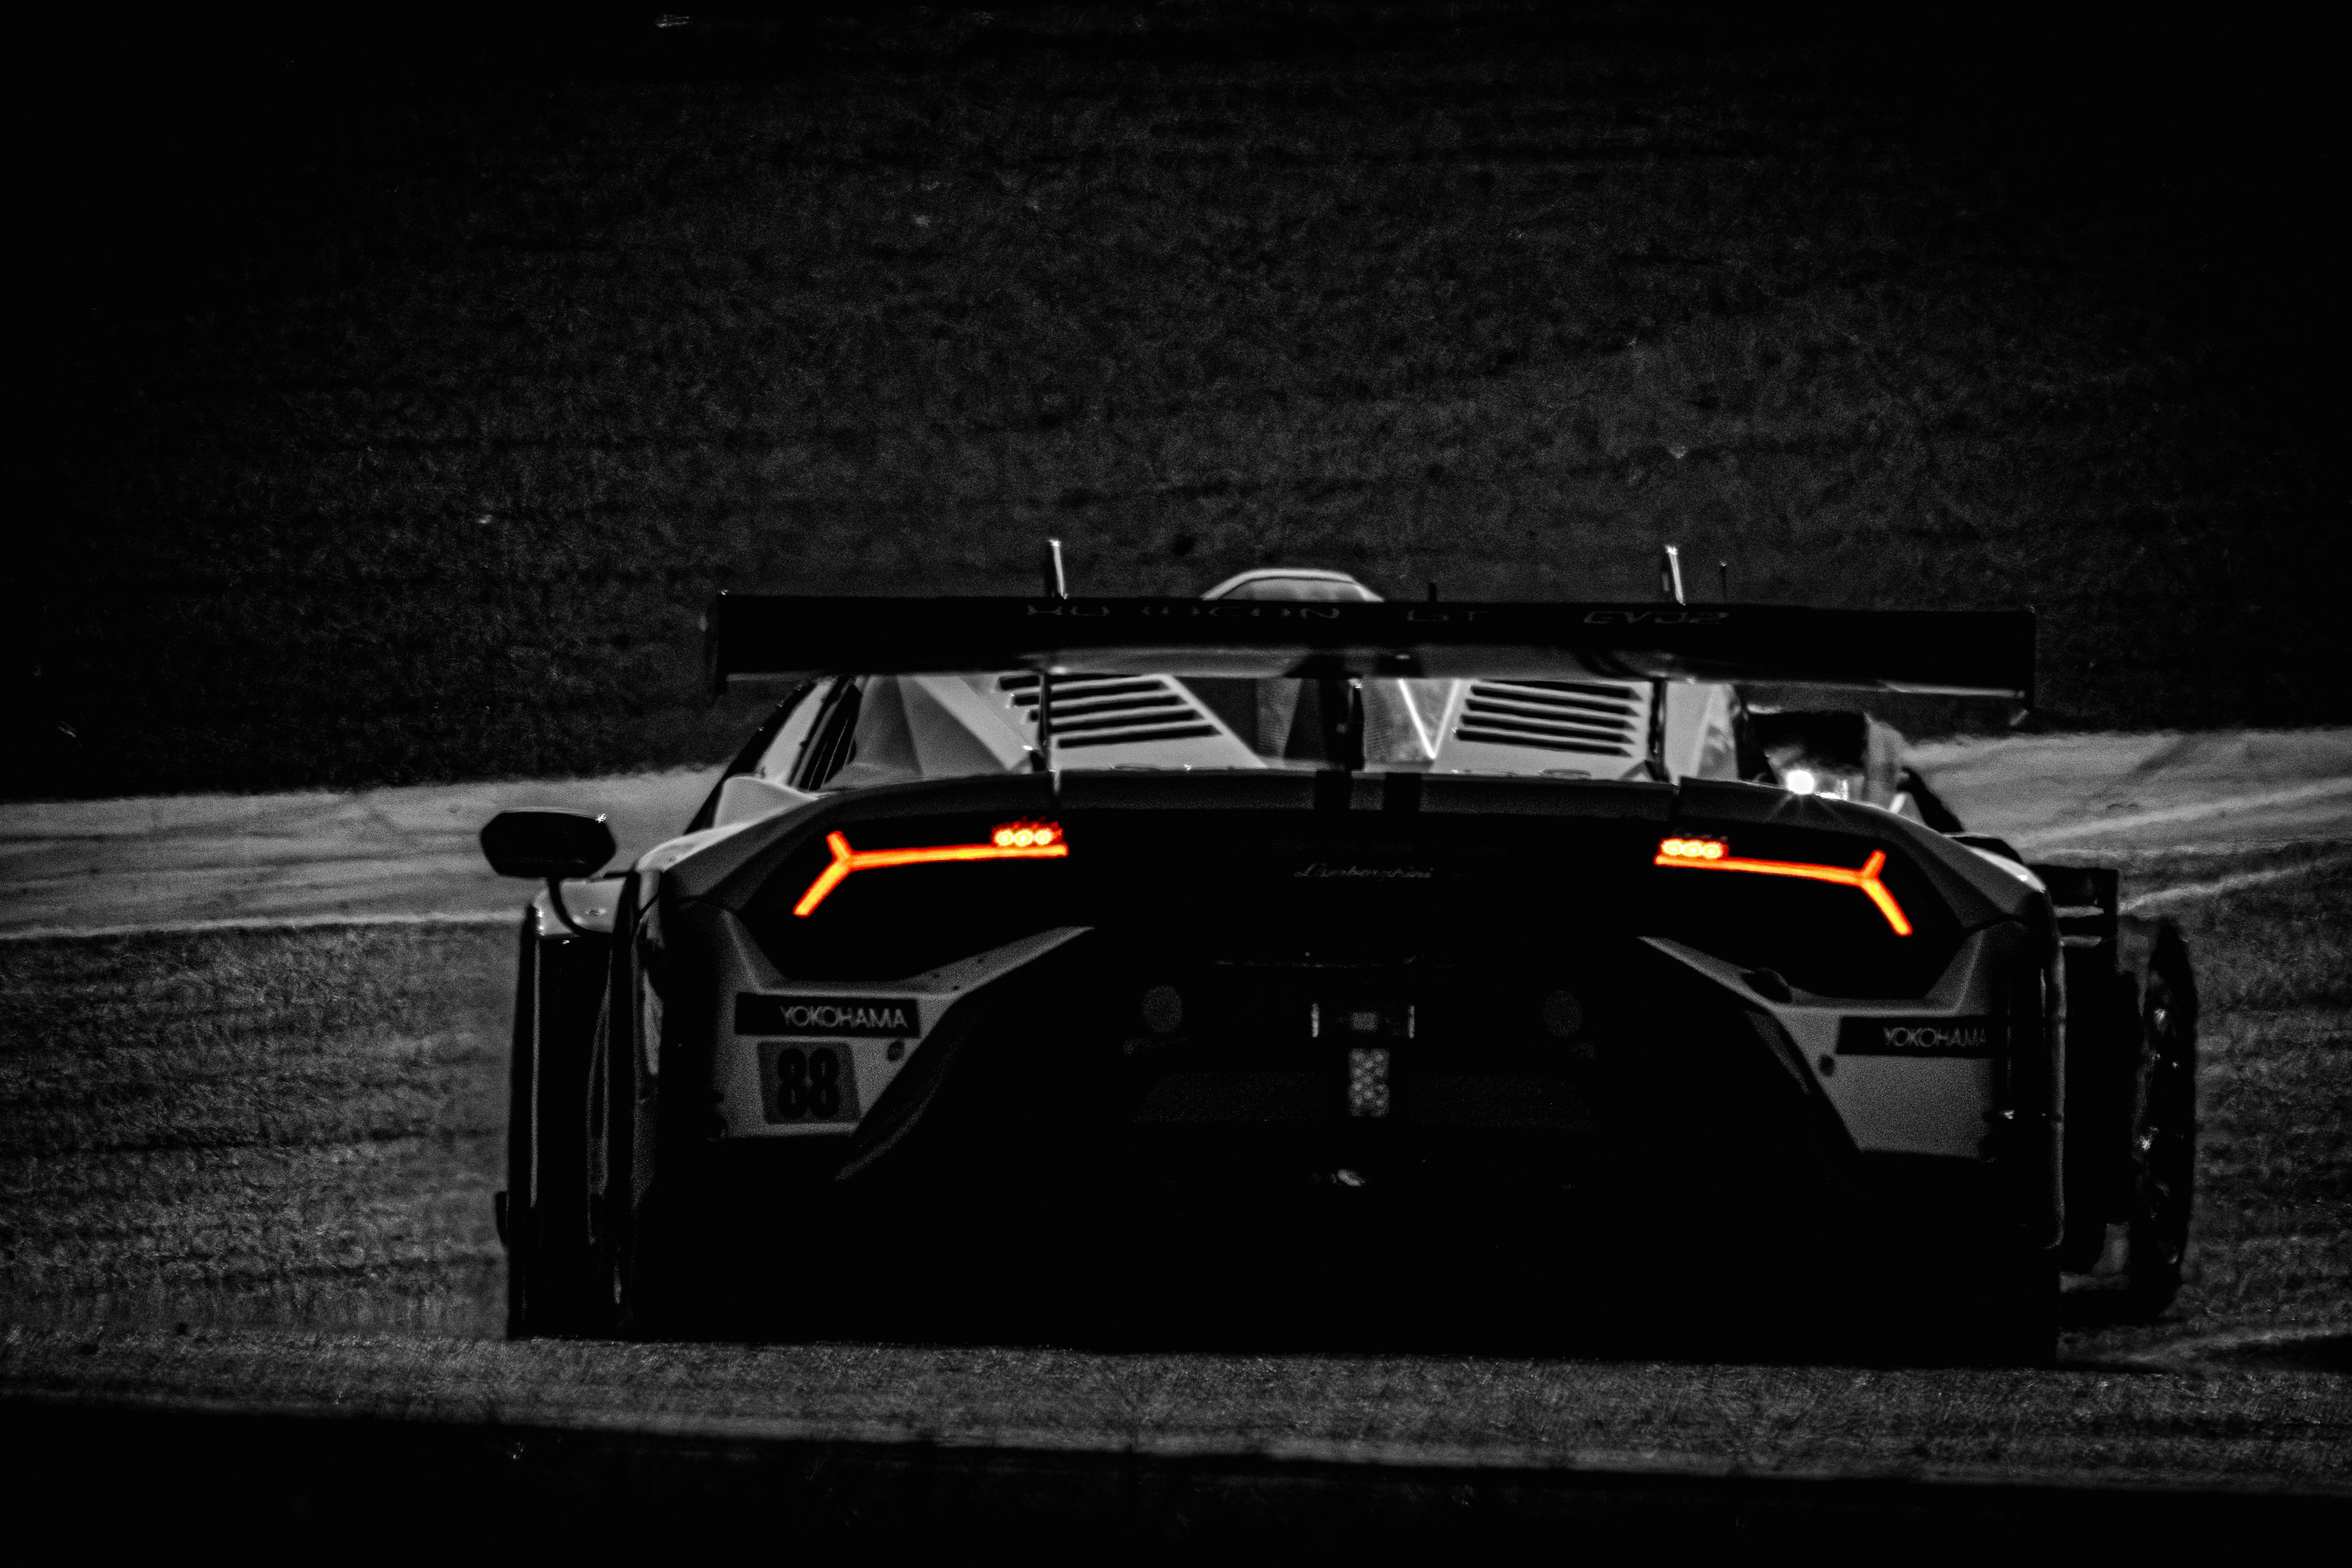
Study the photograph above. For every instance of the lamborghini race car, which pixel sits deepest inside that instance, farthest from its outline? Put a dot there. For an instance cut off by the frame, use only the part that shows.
(1149, 945)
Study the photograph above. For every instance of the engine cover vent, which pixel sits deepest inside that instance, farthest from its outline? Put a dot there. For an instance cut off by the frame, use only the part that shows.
(1589, 718)
(1113, 709)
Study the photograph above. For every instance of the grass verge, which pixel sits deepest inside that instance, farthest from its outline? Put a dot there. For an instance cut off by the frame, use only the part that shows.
(254, 1127)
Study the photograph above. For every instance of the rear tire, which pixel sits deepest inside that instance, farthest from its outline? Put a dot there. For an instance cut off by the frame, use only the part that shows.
(517, 1226)
(551, 1286)
(2162, 1153)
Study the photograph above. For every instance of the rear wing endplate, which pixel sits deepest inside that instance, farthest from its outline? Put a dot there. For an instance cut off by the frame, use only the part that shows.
(1968, 653)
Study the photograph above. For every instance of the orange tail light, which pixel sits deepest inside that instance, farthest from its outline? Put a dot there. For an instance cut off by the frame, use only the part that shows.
(1011, 841)
(1714, 854)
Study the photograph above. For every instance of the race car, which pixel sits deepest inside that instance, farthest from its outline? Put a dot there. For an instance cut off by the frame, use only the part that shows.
(1554, 953)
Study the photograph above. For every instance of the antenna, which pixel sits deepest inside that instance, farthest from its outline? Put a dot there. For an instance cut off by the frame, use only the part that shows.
(1670, 583)
(1057, 586)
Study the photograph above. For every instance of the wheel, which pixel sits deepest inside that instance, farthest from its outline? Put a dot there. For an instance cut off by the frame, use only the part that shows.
(516, 1228)
(602, 1266)
(2162, 1152)
(550, 1259)
(645, 1264)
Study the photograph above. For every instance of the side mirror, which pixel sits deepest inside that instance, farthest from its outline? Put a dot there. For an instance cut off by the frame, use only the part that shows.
(547, 844)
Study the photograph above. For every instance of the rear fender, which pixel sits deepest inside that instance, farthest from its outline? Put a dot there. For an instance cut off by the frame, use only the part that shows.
(1857, 1055)
(1960, 1075)
(590, 906)
(562, 967)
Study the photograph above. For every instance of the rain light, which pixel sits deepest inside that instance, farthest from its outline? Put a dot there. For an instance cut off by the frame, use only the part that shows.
(1368, 1081)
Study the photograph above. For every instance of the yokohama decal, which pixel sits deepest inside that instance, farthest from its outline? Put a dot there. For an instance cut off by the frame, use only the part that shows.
(1920, 1036)
(835, 1015)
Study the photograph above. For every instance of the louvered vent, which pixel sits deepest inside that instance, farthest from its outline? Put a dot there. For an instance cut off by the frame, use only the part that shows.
(1112, 710)
(1593, 718)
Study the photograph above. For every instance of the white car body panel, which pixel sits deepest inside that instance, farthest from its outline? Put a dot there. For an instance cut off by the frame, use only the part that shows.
(1890, 1104)
(747, 797)
(744, 970)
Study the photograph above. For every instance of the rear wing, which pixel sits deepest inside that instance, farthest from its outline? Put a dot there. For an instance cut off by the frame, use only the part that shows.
(1965, 653)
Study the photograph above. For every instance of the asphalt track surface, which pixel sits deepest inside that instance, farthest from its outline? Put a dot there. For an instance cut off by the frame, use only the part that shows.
(272, 1480)
(290, 1455)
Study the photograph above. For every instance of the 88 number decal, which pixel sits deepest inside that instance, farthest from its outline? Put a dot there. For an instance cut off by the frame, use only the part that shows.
(808, 1084)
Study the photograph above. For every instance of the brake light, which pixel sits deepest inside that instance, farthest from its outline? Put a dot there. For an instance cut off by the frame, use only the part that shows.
(1011, 841)
(1714, 854)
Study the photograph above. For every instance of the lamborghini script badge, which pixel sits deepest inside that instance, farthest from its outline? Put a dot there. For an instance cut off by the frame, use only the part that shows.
(1919, 1037)
(1322, 868)
(835, 1016)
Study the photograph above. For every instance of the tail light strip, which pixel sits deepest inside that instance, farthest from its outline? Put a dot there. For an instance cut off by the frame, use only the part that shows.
(1013, 841)
(1710, 855)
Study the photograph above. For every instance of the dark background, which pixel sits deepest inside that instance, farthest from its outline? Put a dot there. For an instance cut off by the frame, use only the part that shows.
(402, 384)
